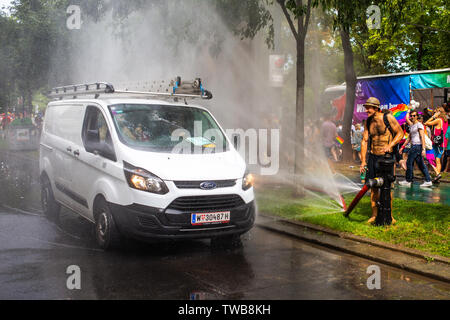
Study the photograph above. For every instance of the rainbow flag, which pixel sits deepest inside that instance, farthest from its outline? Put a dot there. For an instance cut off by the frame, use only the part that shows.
(340, 140)
(400, 112)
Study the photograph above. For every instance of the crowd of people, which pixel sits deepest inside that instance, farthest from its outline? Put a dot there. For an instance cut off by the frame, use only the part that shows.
(422, 140)
(424, 143)
(12, 119)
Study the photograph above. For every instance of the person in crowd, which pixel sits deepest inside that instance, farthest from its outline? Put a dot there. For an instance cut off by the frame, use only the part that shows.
(328, 134)
(356, 142)
(378, 142)
(446, 160)
(426, 114)
(440, 124)
(21, 120)
(446, 157)
(141, 134)
(446, 107)
(309, 131)
(417, 151)
(38, 122)
(404, 146)
(339, 127)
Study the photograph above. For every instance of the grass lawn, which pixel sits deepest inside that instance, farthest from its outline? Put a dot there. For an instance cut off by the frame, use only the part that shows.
(420, 225)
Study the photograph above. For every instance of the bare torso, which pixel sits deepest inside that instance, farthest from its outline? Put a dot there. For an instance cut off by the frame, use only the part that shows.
(381, 136)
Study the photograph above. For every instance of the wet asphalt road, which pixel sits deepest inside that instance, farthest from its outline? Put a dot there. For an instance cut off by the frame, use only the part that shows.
(35, 254)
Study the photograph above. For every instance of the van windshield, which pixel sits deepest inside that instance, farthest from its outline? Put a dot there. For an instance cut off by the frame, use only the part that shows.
(166, 128)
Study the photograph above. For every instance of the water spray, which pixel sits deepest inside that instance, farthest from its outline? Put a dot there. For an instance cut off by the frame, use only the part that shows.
(341, 197)
(344, 205)
(384, 181)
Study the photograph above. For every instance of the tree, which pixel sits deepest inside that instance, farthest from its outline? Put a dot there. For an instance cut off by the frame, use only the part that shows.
(414, 35)
(8, 34)
(36, 31)
(302, 13)
(345, 15)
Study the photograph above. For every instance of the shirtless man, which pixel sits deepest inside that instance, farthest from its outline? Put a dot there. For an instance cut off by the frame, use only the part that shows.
(382, 143)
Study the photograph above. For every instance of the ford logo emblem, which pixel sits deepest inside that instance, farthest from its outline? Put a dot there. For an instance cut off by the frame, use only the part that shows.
(207, 185)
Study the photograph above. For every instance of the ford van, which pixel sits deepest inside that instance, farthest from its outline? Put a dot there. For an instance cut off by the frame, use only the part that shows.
(144, 165)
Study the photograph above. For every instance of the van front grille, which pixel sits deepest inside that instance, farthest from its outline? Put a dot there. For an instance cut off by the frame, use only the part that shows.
(196, 184)
(207, 203)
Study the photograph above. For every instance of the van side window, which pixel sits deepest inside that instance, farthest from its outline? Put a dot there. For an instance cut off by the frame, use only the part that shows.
(96, 135)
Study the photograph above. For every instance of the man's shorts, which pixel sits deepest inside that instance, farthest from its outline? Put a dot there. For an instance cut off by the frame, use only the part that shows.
(373, 168)
(438, 151)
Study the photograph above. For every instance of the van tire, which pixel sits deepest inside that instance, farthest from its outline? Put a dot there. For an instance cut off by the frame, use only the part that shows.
(50, 206)
(106, 233)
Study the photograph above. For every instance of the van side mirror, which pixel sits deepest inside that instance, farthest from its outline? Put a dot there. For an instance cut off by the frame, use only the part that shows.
(103, 149)
(95, 146)
(106, 151)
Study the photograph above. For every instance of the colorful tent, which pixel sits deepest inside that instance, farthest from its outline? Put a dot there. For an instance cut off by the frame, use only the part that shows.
(391, 89)
(395, 89)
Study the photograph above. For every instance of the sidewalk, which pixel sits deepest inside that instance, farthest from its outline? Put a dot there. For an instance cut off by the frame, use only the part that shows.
(411, 260)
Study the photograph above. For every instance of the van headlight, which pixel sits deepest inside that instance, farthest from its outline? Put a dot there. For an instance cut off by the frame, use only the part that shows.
(144, 180)
(247, 181)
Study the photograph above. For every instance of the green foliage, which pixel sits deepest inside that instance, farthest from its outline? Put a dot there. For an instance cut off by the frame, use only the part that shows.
(8, 34)
(414, 35)
(346, 13)
(40, 99)
(36, 48)
(26, 41)
(298, 8)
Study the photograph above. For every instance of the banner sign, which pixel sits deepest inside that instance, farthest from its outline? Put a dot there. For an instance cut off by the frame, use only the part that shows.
(276, 70)
(430, 80)
(391, 91)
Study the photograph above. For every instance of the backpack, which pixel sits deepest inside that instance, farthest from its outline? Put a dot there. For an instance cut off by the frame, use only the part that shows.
(439, 139)
(386, 123)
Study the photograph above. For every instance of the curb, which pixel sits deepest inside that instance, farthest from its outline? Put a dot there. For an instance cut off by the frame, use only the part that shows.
(431, 266)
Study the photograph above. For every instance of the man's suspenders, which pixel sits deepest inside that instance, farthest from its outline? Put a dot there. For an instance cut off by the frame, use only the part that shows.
(386, 123)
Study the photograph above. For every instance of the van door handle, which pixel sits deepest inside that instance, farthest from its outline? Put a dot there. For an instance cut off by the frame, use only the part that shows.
(76, 153)
(69, 149)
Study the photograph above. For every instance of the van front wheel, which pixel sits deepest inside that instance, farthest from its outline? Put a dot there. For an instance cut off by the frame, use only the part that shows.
(106, 232)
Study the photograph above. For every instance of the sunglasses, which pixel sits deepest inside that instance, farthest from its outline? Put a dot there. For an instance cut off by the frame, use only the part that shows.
(414, 115)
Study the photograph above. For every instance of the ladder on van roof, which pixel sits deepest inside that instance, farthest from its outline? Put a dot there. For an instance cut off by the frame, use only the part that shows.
(174, 89)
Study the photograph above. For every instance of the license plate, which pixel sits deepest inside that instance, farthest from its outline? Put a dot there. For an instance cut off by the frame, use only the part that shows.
(210, 217)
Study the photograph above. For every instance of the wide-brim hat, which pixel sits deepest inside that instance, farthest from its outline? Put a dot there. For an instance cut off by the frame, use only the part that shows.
(372, 102)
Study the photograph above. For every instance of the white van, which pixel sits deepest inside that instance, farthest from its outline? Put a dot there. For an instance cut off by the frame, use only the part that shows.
(126, 161)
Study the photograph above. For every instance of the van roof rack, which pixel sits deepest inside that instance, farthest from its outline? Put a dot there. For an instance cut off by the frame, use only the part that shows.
(174, 89)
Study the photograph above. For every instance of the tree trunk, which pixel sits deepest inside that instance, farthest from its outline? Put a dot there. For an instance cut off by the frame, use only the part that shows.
(420, 51)
(350, 80)
(300, 114)
(28, 105)
(299, 35)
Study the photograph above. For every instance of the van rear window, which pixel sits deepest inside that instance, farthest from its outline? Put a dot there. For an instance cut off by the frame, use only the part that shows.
(165, 128)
